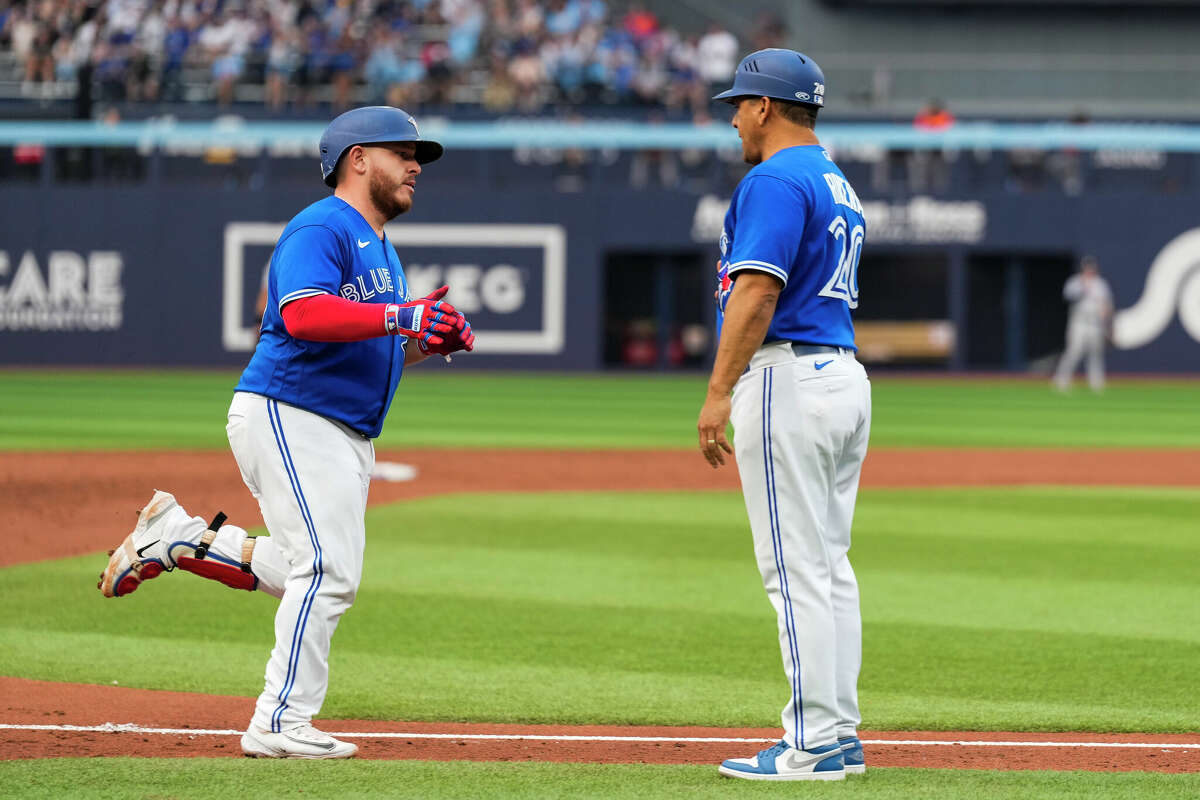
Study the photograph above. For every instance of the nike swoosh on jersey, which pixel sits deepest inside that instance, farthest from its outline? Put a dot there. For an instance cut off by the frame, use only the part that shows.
(362, 244)
(822, 364)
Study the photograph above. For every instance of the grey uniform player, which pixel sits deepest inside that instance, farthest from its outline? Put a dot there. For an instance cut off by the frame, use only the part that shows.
(1087, 326)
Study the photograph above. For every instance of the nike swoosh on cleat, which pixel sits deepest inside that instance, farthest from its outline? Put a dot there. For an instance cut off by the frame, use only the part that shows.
(141, 551)
(823, 364)
(324, 745)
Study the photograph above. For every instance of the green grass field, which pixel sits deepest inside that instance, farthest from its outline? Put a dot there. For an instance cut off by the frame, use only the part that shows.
(1050, 608)
(145, 410)
(101, 779)
(985, 609)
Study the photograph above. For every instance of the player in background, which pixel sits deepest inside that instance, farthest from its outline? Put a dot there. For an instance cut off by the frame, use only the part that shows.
(339, 328)
(1087, 326)
(801, 403)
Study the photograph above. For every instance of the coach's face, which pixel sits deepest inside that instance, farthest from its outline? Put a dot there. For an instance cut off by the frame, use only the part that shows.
(392, 171)
(748, 117)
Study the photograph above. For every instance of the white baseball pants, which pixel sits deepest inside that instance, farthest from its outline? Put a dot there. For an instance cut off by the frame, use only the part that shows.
(1083, 339)
(800, 440)
(310, 476)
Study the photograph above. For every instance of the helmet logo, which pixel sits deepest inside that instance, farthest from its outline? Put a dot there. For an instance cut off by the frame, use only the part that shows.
(802, 96)
(413, 122)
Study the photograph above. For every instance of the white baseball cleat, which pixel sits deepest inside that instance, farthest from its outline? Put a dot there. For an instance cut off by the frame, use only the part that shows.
(302, 741)
(142, 555)
(784, 763)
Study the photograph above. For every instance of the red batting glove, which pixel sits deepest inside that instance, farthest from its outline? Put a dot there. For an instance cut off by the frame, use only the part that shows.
(428, 320)
(453, 342)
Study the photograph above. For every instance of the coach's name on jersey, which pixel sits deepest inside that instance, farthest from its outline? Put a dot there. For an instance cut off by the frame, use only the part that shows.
(381, 283)
(843, 192)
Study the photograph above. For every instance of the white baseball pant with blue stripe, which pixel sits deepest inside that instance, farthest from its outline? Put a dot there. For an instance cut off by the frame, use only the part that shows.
(800, 439)
(310, 476)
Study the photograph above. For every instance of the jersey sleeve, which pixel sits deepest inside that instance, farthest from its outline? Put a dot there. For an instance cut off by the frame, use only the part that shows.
(770, 225)
(308, 263)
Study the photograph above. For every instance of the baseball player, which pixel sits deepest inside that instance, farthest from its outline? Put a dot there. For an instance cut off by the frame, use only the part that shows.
(340, 327)
(801, 403)
(1087, 326)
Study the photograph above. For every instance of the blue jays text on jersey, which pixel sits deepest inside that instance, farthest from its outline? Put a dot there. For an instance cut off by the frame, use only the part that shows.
(328, 248)
(795, 216)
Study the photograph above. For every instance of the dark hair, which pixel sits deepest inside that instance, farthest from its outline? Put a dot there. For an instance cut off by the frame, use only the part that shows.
(801, 114)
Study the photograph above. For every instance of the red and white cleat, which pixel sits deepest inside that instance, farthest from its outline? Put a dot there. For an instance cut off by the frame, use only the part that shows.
(142, 555)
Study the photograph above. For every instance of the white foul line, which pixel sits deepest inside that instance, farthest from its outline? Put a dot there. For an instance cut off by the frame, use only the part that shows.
(128, 727)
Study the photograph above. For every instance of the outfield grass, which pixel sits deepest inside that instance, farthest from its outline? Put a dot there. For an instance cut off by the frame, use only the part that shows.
(168, 410)
(100, 779)
(1024, 609)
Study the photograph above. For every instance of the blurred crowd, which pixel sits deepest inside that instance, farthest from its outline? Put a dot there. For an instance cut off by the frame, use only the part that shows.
(504, 55)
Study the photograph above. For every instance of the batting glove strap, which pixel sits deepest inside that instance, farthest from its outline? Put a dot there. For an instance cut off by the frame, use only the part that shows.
(405, 319)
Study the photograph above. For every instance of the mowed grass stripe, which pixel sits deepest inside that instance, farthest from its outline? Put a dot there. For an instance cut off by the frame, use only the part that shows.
(647, 608)
(119, 778)
(461, 409)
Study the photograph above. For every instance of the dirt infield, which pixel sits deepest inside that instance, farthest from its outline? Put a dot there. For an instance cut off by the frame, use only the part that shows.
(86, 498)
(176, 724)
(62, 504)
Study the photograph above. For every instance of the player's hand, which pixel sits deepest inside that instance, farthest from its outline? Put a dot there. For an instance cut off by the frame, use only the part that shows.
(714, 417)
(428, 320)
(453, 342)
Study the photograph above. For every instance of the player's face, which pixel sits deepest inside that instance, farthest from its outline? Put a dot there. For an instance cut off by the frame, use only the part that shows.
(393, 177)
(748, 128)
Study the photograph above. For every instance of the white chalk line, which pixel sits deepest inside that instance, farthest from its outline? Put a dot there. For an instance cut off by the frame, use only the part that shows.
(128, 727)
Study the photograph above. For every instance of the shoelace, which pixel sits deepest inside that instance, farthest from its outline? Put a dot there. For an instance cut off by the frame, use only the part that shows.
(774, 750)
(308, 733)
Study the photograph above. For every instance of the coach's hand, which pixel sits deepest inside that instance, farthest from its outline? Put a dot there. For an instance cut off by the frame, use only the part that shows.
(714, 416)
(428, 320)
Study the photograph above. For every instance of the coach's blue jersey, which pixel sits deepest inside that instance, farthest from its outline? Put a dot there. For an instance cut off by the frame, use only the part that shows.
(795, 216)
(328, 248)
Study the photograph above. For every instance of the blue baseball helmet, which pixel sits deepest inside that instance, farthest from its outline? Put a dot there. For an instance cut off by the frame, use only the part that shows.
(782, 74)
(371, 125)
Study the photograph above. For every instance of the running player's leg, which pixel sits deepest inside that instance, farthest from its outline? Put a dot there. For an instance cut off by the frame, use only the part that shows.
(166, 538)
(230, 547)
(786, 469)
(846, 613)
(311, 476)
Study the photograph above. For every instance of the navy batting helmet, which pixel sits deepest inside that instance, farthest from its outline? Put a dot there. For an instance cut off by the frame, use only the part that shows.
(371, 125)
(778, 73)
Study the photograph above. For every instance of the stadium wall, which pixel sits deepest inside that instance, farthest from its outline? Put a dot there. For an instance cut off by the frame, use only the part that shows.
(168, 275)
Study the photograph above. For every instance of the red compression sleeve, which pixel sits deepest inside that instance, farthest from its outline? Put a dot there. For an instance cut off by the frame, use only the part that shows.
(329, 318)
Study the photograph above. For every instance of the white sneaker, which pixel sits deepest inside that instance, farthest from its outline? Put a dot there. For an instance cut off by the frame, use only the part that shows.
(302, 741)
(783, 763)
(142, 555)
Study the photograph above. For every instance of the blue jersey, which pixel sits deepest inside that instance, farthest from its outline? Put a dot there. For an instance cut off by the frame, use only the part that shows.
(795, 216)
(328, 248)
